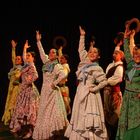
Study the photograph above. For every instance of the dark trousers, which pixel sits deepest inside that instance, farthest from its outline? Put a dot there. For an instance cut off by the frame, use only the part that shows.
(112, 131)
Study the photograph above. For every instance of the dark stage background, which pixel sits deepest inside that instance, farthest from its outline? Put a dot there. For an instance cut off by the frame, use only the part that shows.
(21, 21)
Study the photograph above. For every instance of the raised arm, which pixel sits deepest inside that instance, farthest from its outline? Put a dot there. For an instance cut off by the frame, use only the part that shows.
(81, 49)
(128, 49)
(60, 52)
(14, 44)
(132, 42)
(26, 46)
(43, 56)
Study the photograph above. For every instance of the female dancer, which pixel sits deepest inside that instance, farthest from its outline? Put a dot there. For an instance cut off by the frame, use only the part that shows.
(52, 118)
(13, 90)
(87, 120)
(25, 112)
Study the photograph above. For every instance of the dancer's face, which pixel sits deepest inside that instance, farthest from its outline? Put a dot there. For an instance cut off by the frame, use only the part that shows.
(53, 54)
(18, 60)
(136, 56)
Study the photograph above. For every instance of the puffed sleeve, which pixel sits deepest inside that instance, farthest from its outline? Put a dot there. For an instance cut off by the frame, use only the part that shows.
(60, 74)
(32, 74)
(100, 80)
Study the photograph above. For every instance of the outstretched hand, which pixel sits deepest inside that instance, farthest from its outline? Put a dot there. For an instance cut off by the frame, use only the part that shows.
(13, 43)
(127, 32)
(26, 46)
(38, 36)
(82, 31)
(132, 34)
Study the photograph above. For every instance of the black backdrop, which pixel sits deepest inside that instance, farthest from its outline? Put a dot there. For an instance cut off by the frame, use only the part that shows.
(21, 20)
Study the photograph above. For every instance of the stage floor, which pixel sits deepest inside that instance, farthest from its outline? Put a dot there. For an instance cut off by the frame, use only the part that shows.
(6, 135)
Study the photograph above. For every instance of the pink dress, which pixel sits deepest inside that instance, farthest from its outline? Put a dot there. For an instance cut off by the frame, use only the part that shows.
(52, 118)
(27, 99)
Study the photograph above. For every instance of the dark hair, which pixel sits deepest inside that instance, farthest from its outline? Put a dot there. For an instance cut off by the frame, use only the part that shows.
(55, 50)
(99, 51)
(33, 54)
(138, 46)
(66, 57)
(92, 38)
(119, 37)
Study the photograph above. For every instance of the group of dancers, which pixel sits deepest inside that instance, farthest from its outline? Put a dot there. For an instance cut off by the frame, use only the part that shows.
(100, 110)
